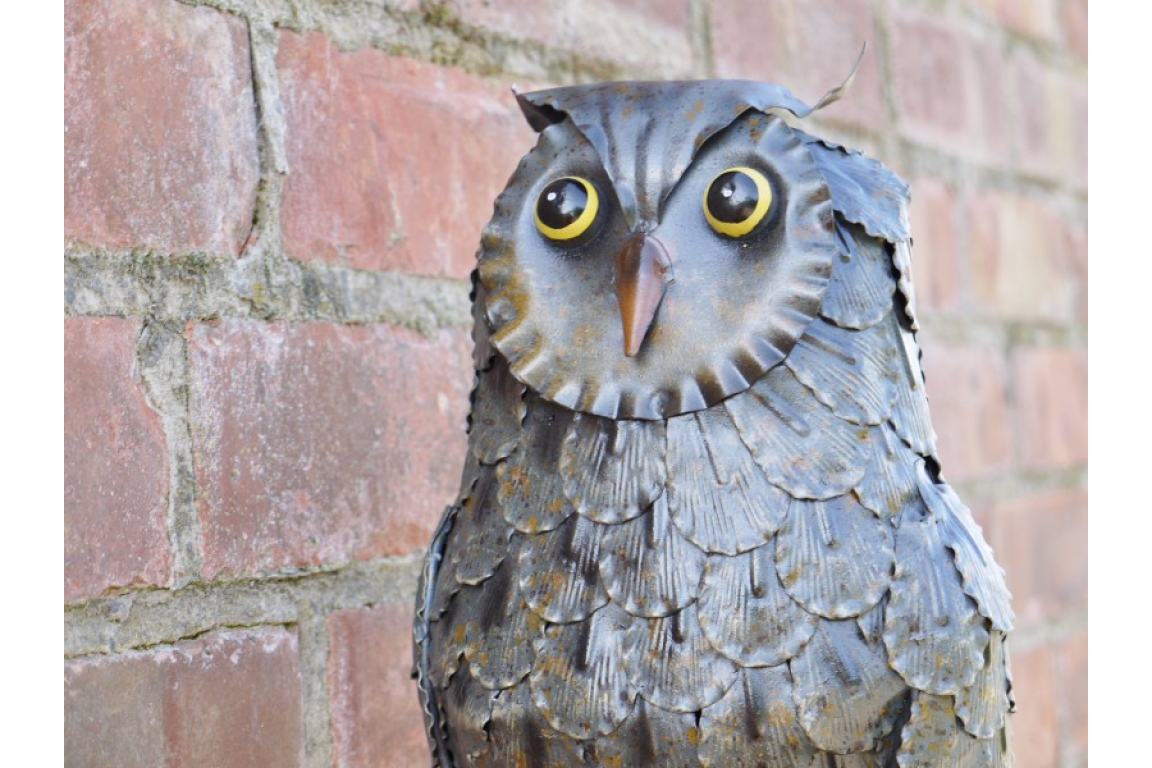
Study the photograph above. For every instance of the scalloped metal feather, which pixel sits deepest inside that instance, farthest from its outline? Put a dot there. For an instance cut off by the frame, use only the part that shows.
(933, 738)
(863, 190)
(530, 488)
(799, 443)
(498, 412)
(860, 292)
(902, 262)
(745, 613)
(672, 665)
(847, 696)
(717, 495)
(984, 580)
(578, 682)
(480, 536)
(934, 634)
(849, 371)
(910, 416)
(559, 571)
(871, 624)
(482, 350)
(755, 724)
(649, 737)
(647, 566)
(468, 710)
(521, 736)
(889, 484)
(983, 706)
(834, 557)
(612, 470)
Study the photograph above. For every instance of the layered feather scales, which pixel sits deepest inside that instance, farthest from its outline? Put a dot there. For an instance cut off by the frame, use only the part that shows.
(780, 576)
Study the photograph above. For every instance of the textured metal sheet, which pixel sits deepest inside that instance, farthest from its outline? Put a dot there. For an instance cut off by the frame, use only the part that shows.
(559, 571)
(468, 710)
(849, 371)
(933, 738)
(889, 484)
(983, 706)
(902, 261)
(725, 319)
(430, 705)
(871, 623)
(673, 666)
(834, 557)
(745, 613)
(521, 737)
(935, 636)
(861, 290)
(755, 724)
(910, 416)
(497, 414)
(863, 190)
(847, 696)
(648, 567)
(482, 350)
(578, 681)
(612, 470)
(530, 489)
(799, 443)
(718, 497)
(480, 536)
(983, 578)
(501, 629)
(649, 737)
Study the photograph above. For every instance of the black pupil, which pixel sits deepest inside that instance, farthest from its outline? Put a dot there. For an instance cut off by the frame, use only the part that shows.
(733, 197)
(561, 203)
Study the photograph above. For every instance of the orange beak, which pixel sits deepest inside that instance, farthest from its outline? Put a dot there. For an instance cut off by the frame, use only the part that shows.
(643, 271)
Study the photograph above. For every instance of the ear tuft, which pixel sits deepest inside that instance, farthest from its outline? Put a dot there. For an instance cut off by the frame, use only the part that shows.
(539, 116)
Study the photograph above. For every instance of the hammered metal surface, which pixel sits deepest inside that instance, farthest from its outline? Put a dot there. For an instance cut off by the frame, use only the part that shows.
(834, 557)
(650, 555)
(745, 613)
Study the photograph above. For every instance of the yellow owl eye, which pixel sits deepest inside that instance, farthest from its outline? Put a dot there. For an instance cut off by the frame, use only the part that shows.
(737, 200)
(567, 208)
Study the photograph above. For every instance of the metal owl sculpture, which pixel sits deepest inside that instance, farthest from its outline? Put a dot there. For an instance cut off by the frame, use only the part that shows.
(702, 521)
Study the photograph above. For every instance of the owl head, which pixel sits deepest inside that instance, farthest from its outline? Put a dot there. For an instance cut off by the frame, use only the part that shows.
(662, 247)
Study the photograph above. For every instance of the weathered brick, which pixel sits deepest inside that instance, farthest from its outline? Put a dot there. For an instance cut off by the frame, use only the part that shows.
(1074, 18)
(376, 717)
(159, 126)
(1041, 542)
(806, 46)
(936, 264)
(394, 163)
(1018, 252)
(1072, 680)
(647, 35)
(1051, 108)
(948, 86)
(1035, 739)
(115, 463)
(1051, 406)
(1035, 18)
(319, 443)
(226, 699)
(967, 388)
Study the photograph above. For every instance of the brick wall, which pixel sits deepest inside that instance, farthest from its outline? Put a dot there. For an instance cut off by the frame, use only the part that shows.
(271, 211)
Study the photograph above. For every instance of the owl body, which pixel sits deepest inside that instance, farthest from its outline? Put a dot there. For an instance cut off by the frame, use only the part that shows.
(702, 521)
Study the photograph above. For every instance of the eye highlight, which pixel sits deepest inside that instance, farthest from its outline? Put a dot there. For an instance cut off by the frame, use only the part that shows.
(567, 208)
(737, 200)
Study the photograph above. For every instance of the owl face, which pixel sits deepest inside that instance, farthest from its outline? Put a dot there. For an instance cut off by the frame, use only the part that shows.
(661, 248)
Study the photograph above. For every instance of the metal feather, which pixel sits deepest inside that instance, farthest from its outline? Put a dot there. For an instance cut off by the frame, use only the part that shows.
(889, 483)
(530, 489)
(559, 571)
(983, 706)
(612, 470)
(860, 292)
(497, 414)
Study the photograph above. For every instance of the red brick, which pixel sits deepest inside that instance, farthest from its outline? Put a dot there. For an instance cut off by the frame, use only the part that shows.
(936, 264)
(1041, 542)
(649, 35)
(806, 46)
(226, 699)
(394, 163)
(159, 126)
(967, 390)
(1051, 124)
(1034, 18)
(1051, 404)
(1072, 680)
(115, 464)
(369, 680)
(320, 444)
(948, 86)
(1034, 726)
(1020, 264)
(1074, 18)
